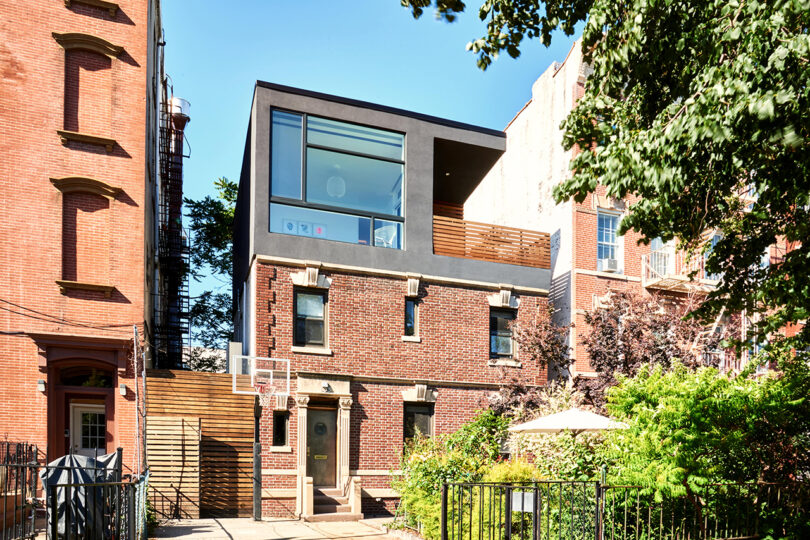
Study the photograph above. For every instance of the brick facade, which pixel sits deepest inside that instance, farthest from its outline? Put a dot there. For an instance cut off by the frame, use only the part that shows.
(365, 327)
(73, 235)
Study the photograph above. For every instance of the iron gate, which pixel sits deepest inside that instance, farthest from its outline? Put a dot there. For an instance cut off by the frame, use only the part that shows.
(594, 511)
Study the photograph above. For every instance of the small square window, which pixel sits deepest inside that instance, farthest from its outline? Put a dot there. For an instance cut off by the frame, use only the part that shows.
(410, 317)
(500, 333)
(417, 417)
(281, 423)
(310, 328)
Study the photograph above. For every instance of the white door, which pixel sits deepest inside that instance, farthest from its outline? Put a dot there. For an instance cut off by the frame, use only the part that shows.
(88, 429)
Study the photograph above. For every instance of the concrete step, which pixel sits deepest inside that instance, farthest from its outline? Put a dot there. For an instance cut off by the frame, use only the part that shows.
(337, 516)
(331, 508)
(327, 492)
(324, 500)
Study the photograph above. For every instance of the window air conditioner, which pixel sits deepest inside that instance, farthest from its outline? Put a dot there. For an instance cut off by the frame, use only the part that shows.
(610, 265)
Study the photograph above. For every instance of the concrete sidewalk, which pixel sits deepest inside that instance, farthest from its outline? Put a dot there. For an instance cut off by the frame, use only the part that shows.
(269, 529)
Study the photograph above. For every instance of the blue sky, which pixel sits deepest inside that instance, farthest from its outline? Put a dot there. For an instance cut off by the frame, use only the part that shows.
(371, 50)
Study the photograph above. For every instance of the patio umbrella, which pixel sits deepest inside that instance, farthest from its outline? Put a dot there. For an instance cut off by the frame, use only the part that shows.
(574, 420)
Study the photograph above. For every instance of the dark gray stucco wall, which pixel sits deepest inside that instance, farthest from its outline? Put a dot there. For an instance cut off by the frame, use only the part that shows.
(418, 254)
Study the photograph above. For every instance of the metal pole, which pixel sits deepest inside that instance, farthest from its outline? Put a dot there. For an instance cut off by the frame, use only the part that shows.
(257, 481)
(508, 514)
(137, 415)
(444, 511)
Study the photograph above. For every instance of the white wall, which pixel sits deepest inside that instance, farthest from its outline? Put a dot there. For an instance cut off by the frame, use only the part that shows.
(517, 191)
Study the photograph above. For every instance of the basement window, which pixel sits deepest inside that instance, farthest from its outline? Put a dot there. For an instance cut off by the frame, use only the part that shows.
(281, 426)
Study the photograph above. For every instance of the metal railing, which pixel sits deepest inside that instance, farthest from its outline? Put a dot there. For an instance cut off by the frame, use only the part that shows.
(670, 268)
(97, 511)
(536, 510)
(591, 510)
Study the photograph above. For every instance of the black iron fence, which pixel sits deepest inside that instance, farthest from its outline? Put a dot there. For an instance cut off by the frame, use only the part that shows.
(70, 500)
(18, 485)
(590, 510)
(97, 511)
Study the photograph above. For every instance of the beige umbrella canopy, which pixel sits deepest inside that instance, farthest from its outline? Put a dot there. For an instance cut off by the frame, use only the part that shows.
(574, 420)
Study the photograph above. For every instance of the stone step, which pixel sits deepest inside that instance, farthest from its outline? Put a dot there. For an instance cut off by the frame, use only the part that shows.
(324, 500)
(327, 492)
(336, 516)
(331, 508)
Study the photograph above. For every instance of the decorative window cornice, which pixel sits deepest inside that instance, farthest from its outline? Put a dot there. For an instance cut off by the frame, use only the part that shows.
(67, 136)
(83, 184)
(112, 7)
(311, 277)
(64, 286)
(88, 42)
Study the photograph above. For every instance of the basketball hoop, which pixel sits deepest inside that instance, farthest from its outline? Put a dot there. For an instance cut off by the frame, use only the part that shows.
(265, 393)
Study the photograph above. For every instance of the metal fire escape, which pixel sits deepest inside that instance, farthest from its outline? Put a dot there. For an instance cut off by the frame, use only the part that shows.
(172, 302)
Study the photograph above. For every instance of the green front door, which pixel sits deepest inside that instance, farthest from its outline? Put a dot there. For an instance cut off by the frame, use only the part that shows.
(322, 446)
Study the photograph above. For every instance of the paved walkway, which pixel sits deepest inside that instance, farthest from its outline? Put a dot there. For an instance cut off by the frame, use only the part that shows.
(269, 529)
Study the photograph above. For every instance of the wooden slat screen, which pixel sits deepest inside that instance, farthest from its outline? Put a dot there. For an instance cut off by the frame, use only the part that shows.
(446, 209)
(487, 242)
(226, 429)
(174, 464)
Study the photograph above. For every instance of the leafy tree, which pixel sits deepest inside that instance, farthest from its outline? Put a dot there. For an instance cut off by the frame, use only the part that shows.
(635, 328)
(545, 342)
(211, 225)
(693, 106)
(688, 429)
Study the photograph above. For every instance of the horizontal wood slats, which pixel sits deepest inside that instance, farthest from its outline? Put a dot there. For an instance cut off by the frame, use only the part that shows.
(224, 458)
(451, 210)
(173, 445)
(486, 242)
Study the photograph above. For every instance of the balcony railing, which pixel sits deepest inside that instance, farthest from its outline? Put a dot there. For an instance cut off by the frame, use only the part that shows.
(673, 270)
(486, 242)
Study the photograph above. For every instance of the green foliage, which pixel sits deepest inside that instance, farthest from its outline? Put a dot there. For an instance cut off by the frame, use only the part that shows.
(427, 463)
(513, 470)
(691, 428)
(211, 226)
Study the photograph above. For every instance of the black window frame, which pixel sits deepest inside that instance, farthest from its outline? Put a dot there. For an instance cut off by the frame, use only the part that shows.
(281, 418)
(303, 343)
(414, 331)
(431, 411)
(303, 203)
(511, 314)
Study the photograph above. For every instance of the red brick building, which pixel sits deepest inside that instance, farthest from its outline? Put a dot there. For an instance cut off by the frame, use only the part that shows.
(78, 177)
(588, 258)
(352, 260)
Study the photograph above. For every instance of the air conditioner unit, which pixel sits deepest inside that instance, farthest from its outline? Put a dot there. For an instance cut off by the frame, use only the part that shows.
(610, 265)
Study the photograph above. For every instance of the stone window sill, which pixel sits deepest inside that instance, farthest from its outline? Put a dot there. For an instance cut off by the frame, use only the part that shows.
(312, 350)
(64, 286)
(281, 449)
(412, 339)
(66, 136)
(508, 362)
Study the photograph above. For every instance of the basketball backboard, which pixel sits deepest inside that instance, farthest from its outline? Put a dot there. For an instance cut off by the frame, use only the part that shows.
(254, 375)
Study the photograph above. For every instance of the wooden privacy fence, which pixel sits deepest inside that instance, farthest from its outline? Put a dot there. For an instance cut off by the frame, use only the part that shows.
(486, 242)
(199, 438)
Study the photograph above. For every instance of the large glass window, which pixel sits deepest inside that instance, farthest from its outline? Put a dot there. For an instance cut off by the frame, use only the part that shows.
(336, 181)
(285, 158)
(607, 244)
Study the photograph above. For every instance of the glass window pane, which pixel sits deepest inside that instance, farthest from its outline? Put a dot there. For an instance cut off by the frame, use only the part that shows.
(319, 224)
(410, 317)
(309, 305)
(500, 345)
(354, 138)
(354, 182)
(387, 233)
(313, 332)
(280, 420)
(285, 158)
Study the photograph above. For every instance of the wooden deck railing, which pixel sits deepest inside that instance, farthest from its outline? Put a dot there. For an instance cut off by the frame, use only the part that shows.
(487, 242)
